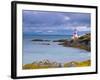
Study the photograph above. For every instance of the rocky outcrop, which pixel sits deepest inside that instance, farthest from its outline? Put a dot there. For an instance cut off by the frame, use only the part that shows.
(83, 42)
(40, 40)
(42, 64)
(49, 64)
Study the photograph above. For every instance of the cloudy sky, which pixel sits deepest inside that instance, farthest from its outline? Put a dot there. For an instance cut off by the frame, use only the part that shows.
(55, 23)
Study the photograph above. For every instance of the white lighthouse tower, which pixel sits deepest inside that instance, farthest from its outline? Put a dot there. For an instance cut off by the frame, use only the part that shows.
(75, 35)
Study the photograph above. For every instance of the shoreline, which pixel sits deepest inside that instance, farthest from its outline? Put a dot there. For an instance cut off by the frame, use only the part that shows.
(82, 42)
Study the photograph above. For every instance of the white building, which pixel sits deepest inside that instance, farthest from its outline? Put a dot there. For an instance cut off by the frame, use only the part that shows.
(75, 35)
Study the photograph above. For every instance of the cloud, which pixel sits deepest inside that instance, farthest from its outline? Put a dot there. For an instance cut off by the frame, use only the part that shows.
(83, 28)
(58, 28)
(43, 22)
(50, 31)
(39, 31)
(67, 18)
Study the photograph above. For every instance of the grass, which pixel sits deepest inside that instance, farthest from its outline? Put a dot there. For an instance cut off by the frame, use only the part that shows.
(78, 64)
(68, 64)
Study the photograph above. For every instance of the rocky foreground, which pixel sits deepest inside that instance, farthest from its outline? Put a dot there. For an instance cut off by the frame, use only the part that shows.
(48, 64)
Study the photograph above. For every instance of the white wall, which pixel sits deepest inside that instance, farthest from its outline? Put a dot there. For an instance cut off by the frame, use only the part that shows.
(5, 37)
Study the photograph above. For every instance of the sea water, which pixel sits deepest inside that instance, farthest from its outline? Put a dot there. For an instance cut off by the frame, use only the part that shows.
(40, 50)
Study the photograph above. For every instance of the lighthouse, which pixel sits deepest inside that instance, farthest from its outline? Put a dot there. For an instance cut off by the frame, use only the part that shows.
(75, 35)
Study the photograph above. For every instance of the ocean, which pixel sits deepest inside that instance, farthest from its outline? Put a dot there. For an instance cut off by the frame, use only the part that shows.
(47, 49)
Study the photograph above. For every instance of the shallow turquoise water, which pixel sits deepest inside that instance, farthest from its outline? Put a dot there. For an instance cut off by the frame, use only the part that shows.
(37, 50)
